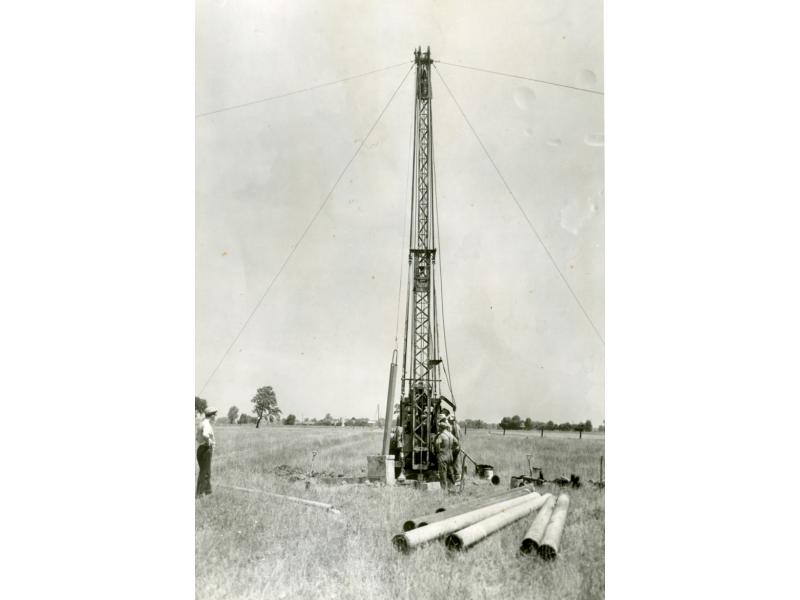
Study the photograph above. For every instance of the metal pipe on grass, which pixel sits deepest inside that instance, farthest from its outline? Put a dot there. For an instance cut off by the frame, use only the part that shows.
(416, 537)
(548, 549)
(533, 537)
(511, 493)
(314, 503)
(464, 538)
(447, 512)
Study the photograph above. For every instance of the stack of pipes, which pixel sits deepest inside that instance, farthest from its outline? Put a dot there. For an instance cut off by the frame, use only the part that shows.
(443, 512)
(544, 534)
(464, 538)
(464, 525)
(511, 506)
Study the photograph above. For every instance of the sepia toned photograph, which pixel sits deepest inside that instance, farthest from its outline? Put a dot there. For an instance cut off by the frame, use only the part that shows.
(374, 237)
(399, 299)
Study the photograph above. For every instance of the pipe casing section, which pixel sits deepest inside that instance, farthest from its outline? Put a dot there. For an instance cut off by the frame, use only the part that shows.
(446, 513)
(533, 537)
(551, 540)
(411, 539)
(464, 538)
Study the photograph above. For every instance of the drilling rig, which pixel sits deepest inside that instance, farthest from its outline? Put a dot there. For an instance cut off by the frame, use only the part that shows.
(421, 402)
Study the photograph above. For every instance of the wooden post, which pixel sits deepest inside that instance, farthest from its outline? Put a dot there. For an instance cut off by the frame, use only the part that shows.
(541, 432)
(580, 433)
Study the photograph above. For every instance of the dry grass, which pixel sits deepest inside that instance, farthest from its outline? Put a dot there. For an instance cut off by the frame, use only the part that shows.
(253, 546)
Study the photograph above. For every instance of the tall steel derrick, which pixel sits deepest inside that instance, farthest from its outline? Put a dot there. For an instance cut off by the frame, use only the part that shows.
(420, 403)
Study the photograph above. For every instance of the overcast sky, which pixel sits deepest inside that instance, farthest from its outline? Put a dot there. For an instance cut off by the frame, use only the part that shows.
(324, 335)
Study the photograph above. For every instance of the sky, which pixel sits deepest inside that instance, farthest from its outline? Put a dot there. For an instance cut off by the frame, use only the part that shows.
(323, 336)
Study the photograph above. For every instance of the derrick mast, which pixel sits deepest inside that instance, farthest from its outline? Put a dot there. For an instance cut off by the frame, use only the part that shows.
(420, 404)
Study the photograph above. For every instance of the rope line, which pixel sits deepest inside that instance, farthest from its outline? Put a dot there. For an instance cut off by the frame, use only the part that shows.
(402, 236)
(522, 210)
(305, 231)
(308, 89)
(441, 270)
(563, 85)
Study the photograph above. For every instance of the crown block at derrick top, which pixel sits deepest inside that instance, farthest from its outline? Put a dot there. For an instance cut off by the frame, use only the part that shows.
(380, 467)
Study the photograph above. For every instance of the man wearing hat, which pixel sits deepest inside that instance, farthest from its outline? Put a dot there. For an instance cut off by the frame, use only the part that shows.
(205, 448)
(445, 445)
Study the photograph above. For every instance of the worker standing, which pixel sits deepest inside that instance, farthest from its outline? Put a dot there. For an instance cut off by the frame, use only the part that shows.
(445, 444)
(456, 449)
(205, 447)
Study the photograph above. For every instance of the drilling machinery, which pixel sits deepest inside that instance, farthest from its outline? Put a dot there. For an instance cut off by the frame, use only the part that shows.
(421, 404)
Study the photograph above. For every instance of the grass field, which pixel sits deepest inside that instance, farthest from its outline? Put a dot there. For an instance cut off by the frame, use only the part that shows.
(252, 546)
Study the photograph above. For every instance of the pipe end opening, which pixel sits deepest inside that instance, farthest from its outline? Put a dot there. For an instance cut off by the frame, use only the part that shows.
(454, 543)
(528, 546)
(547, 552)
(400, 544)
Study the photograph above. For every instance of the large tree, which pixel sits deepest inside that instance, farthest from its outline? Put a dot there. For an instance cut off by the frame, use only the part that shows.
(200, 405)
(233, 414)
(265, 404)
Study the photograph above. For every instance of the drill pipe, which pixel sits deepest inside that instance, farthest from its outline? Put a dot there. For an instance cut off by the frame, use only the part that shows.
(484, 500)
(328, 507)
(464, 538)
(533, 537)
(387, 424)
(548, 549)
(445, 513)
(411, 539)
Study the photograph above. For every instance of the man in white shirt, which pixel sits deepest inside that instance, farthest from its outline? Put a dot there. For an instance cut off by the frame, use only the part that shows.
(205, 447)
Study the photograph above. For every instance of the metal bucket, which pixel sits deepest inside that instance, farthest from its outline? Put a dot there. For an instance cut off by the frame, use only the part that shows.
(484, 471)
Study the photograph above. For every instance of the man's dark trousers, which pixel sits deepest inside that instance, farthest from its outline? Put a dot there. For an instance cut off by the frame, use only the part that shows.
(204, 477)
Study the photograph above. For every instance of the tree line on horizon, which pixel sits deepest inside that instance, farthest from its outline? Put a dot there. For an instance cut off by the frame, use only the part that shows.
(517, 423)
(528, 424)
(265, 406)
